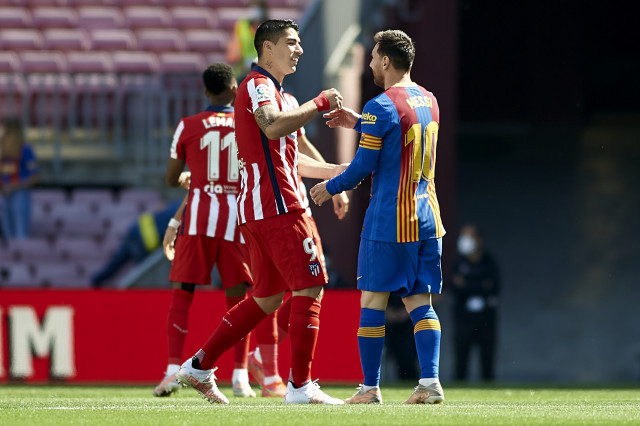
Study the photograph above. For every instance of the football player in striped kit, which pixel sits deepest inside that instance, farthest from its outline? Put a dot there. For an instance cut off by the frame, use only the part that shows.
(401, 240)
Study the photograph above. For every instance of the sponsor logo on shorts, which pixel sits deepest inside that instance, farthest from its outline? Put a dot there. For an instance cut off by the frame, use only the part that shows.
(314, 268)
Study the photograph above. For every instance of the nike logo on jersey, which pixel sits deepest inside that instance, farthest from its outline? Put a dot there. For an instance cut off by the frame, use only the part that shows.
(358, 277)
(313, 326)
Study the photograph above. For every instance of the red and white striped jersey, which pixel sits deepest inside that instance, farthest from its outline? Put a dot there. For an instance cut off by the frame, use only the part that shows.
(268, 168)
(206, 141)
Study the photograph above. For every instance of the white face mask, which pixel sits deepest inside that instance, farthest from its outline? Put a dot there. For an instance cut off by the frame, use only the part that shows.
(466, 245)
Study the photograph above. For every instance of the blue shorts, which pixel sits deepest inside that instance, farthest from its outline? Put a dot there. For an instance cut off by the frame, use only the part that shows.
(401, 268)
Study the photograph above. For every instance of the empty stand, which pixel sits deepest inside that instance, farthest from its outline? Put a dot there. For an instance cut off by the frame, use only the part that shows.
(14, 274)
(89, 62)
(135, 62)
(95, 198)
(186, 18)
(14, 17)
(9, 62)
(94, 17)
(79, 249)
(147, 17)
(205, 41)
(32, 250)
(143, 199)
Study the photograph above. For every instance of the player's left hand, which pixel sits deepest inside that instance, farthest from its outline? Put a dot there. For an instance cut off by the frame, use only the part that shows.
(340, 204)
(168, 243)
(319, 193)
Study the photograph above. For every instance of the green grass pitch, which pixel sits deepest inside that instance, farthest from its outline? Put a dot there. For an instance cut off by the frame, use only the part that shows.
(495, 405)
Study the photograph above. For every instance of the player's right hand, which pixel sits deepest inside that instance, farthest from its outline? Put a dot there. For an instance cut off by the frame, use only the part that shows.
(185, 180)
(344, 117)
(168, 243)
(335, 98)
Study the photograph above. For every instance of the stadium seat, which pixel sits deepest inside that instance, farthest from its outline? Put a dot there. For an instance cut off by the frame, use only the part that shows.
(205, 41)
(97, 17)
(59, 275)
(147, 17)
(182, 62)
(14, 274)
(32, 250)
(227, 16)
(48, 197)
(20, 39)
(112, 39)
(111, 213)
(9, 62)
(285, 13)
(95, 198)
(135, 62)
(81, 3)
(187, 18)
(160, 40)
(43, 62)
(66, 39)
(143, 199)
(89, 62)
(79, 249)
(12, 94)
(35, 3)
(76, 219)
(54, 17)
(14, 17)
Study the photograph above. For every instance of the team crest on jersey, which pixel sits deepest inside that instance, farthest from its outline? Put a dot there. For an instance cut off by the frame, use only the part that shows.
(263, 93)
(314, 268)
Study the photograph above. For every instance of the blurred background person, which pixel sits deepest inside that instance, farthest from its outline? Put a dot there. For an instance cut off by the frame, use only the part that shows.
(399, 343)
(143, 237)
(19, 171)
(475, 287)
(240, 51)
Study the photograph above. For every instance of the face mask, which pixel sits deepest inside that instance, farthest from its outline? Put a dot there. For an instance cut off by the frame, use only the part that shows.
(466, 245)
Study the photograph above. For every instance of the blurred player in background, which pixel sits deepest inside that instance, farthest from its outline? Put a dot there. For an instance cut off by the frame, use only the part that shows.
(281, 242)
(266, 373)
(208, 233)
(401, 240)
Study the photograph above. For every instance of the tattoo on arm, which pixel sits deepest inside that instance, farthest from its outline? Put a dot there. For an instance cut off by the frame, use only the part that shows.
(265, 116)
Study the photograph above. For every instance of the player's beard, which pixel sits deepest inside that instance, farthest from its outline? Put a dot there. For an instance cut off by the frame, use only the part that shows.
(378, 80)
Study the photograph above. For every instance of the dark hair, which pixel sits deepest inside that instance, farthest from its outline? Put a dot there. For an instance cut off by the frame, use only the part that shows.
(272, 30)
(218, 77)
(397, 45)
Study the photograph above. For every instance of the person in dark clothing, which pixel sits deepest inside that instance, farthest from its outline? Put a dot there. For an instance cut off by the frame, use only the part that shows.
(475, 286)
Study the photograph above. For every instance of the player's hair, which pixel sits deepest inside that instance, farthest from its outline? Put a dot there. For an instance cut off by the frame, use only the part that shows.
(272, 30)
(398, 46)
(218, 77)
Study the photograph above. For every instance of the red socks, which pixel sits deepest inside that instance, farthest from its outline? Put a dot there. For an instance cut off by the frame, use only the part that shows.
(304, 325)
(235, 325)
(241, 349)
(267, 340)
(282, 318)
(177, 323)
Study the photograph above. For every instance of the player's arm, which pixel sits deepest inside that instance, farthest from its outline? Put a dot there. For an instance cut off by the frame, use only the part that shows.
(310, 168)
(175, 167)
(169, 240)
(276, 124)
(341, 200)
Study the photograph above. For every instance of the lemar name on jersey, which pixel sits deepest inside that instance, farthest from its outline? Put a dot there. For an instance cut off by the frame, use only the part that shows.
(218, 121)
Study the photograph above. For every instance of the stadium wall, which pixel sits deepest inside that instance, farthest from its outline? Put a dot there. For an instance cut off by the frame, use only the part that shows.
(90, 336)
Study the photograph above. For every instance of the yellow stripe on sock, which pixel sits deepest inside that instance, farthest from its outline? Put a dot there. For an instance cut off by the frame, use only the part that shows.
(426, 324)
(371, 331)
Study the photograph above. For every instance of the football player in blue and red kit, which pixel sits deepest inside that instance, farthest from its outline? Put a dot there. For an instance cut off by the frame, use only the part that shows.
(401, 240)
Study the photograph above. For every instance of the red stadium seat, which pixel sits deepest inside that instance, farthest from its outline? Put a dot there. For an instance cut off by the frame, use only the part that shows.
(94, 17)
(112, 39)
(89, 62)
(205, 41)
(20, 39)
(160, 40)
(43, 62)
(9, 62)
(54, 17)
(182, 62)
(66, 39)
(135, 62)
(14, 17)
(189, 18)
(147, 17)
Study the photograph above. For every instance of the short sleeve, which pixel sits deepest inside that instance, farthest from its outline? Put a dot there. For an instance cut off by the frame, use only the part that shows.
(177, 148)
(376, 119)
(262, 92)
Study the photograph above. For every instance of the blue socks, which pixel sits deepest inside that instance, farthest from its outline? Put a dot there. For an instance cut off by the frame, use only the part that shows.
(370, 343)
(426, 332)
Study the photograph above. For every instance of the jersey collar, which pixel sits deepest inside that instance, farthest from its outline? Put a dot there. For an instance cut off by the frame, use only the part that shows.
(219, 108)
(266, 74)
